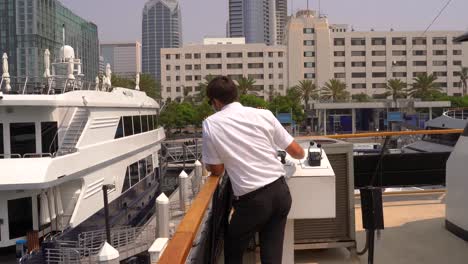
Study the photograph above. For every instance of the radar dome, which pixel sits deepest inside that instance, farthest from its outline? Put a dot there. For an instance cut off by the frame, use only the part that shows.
(67, 52)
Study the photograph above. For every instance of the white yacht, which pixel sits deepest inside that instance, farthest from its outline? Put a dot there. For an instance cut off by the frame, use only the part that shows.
(61, 141)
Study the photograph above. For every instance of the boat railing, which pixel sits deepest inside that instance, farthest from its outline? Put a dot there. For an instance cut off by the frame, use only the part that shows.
(27, 155)
(457, 113)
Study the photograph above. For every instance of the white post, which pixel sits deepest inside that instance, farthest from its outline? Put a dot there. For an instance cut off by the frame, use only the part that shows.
(325, 119)
(353, 120)
(198, 175)
(157, 249)
(183, 177)
(108, 255)
(162, 206)
(204, 174)
(430, 113)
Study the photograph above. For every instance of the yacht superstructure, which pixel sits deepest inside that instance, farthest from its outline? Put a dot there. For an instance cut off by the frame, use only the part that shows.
(62, 140)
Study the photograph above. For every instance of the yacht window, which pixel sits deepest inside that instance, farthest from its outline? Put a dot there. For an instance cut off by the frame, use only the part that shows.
(48, 135)
(20, 217)
(134, 174)
(142, 167)
(144, 123)
(128, 126)
(23, 138)
(136, 124)
(119, 133)
(149, 164)
(150, 122)
(1, 141)
(126, 184)
(155, 121)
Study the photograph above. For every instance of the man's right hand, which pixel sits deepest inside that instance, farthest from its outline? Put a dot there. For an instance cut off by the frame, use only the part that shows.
(295, 150)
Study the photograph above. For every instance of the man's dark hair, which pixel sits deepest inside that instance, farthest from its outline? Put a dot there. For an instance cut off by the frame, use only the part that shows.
(223, 89)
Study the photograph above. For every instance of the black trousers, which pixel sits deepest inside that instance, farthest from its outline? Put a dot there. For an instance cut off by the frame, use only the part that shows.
(265, 211)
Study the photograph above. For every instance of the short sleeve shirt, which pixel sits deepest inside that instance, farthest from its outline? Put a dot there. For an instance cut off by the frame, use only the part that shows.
(246, 141)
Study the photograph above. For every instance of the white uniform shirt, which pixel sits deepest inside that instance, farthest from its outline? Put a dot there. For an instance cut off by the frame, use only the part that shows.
(245, 140)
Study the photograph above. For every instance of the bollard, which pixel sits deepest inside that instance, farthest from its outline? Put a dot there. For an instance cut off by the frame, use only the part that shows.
(108, 255)
(198, 175)
(162, 205)
(157, 249)
(183, 177)
(204, 174)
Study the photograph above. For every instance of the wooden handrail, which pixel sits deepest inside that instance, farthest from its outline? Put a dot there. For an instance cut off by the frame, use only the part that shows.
(180, 244)
(392, 133)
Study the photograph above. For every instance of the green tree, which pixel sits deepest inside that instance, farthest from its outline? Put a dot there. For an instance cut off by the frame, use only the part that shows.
(361, 97)
(203, 110)
(119, 81)
(286, 104)
(252, 101)
(464, 79)
(424, 87)
(307, 90)
(245, 85)
(335, 90)
(396, 89)
(201, 94)
(150, 86)
(177, 115)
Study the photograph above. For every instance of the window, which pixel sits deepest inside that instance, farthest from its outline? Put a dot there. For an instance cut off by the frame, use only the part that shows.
(456, 84)
(177, 56)
(128, 125)
(22, 138)
(379, 63)
(270, 76)
(197, 55)
(149, 164)
(417, 74)
(358, 53)
(308, 31)
(188, 67)
(168, 67)
(358, 75)
(358, 86)
(197, 77)
(358, 64)
(340, 75)
(213, 55)
(48, 132)
(419, 63)
(197, 67)
(399, 63)
(399, 74)
(255, 76)
(457, 63)
(440, 74)
(358, 42)
(457, 52)
(439, 63)
(280, 76)
(177, 68)
(339, 41)
(309, 54)
(309, 42)
(188, 56)
(126, 183)
(419, 53)
(235, 76)
(255, 54)
(309, 64)
(142, 168)
(441, 84)
(177, 89)
(168, 78)
(168, 56)
(379, 85)
(188, 77)
(419, 41)
(339, 53)
(134, 179)
(136, 124)
(151, 122)
(339, 64)
(399, 52)
(213, 66)
(379, 74)
(20, 220)
(455, 74)
(270, 65)
(280, 65)
(168, 89)
(378, 53)
(309, 75)
(398, 41)
(144, 123)
(234, 65)
(378, 41)
(439, 52)
(270, 54)
(234, 54)
(439, 41)
(2, 151)
(177, 78)
(280, 54)
(255, 65)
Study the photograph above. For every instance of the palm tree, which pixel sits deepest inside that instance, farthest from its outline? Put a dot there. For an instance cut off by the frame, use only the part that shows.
(307, 90)
(245, 85)
(424, 87)
(396, 88)
(335, 90)
(201, 95)
(463, 79)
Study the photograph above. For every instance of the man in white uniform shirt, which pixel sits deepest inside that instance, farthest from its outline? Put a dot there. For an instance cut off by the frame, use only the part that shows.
(244, 142)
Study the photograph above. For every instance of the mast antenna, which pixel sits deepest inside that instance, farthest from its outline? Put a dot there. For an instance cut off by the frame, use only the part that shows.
(63, 34)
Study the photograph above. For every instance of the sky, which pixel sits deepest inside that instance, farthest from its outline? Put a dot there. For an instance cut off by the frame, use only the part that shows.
(120, 20)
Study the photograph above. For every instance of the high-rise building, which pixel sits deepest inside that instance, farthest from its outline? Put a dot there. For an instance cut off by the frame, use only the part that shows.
(124, 58)
(161, 28)
(28, 28)
(259, 21)
(366, 60)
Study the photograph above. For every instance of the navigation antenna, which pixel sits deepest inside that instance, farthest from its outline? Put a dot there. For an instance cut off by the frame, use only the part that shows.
(63, 34)
(319, 8)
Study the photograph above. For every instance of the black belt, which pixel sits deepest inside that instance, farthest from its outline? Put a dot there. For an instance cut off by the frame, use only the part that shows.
(253, 193)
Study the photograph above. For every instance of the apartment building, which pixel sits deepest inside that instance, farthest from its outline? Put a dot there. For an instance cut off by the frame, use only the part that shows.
(124, 58)
(183, 69)
(365, 61)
